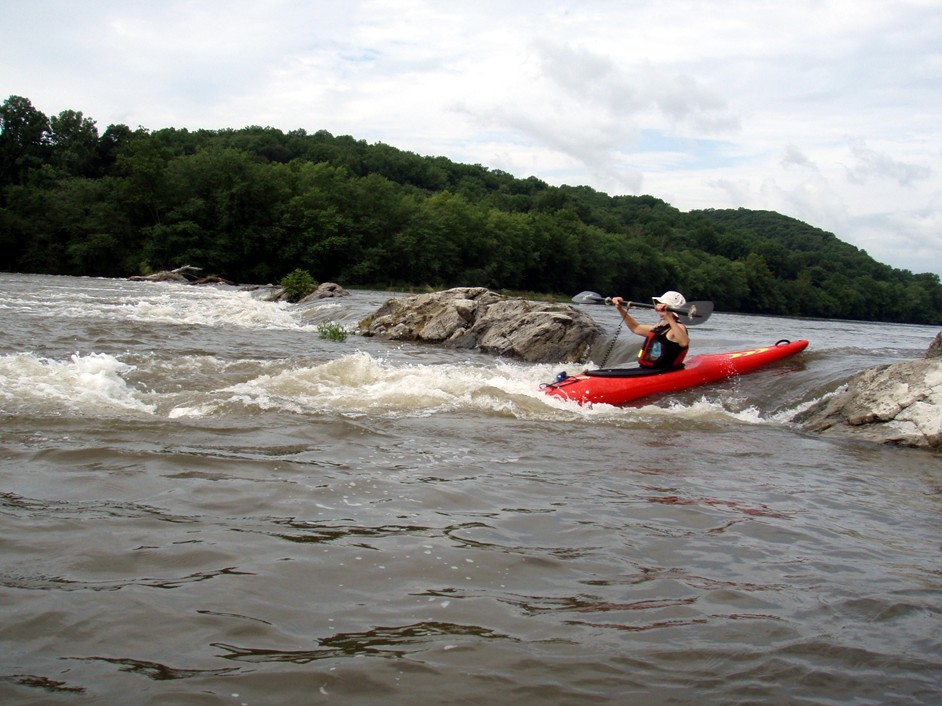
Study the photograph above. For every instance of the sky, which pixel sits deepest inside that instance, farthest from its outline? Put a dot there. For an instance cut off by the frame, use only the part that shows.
(828, 111)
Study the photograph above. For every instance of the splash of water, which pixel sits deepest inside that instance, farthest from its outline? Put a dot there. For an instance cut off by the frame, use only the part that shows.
(83, 384)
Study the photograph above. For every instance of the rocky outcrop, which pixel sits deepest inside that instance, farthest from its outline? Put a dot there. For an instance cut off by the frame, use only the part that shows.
(327, 290)
(897, 404)
(935, 348)
(163, 276)
(186, 275)
(477, 318)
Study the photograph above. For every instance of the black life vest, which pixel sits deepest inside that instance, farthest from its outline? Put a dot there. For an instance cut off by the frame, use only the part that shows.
(659, 351)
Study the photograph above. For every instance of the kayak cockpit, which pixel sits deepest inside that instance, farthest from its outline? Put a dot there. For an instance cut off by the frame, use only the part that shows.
(637, 372)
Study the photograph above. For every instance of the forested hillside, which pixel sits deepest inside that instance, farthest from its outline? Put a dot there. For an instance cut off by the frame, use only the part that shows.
(254, 204)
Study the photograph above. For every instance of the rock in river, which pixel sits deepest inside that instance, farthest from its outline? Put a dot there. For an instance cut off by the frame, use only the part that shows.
(890, 404)
(475, 317)
(326, 290)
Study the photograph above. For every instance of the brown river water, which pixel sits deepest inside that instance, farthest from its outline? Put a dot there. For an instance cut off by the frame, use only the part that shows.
(204, 502)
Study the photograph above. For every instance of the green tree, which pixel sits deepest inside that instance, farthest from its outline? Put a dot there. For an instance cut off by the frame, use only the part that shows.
(111, 143)
(74, 144)
(763, 296)
(141, 164)
(24, 139)
(438, 245)
(298, 284)
(220, 202)
(314, 219)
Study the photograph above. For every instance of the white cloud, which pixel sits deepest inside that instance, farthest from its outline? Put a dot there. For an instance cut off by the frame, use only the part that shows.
(795, 157)
(869, 164)
(825, 110)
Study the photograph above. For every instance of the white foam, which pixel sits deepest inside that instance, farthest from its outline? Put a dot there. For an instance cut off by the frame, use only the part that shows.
(176, 304)
(92, 384)
(211, 307)
(361, 384)
(356, 385)
(191, 412)
(713, 409)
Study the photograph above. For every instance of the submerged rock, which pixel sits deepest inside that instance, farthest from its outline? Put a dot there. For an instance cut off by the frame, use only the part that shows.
(326, 290)
(477, 318)
(164, 276)
(897, 404)
(186, 275)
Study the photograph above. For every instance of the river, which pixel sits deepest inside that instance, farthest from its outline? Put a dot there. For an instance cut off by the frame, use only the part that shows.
(202, 501)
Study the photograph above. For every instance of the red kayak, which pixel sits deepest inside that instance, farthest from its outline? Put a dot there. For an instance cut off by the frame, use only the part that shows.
(618, 386)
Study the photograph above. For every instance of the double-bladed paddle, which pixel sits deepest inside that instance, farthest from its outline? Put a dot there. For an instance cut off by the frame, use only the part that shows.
(690, 314)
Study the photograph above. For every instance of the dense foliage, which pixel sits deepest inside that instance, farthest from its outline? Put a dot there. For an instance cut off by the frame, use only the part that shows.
(297, 285)
(254, 204)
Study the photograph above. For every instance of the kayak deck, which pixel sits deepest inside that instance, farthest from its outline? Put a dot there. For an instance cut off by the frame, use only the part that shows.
(618, 386)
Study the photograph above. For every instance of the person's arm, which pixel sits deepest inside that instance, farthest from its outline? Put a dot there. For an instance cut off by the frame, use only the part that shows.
(678, 332)
(633, 325)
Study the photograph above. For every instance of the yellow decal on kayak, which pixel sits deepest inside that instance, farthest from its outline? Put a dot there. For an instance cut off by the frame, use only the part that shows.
(740, 354)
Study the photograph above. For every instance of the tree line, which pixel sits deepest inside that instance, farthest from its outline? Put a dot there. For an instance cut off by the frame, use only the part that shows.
(254, 204)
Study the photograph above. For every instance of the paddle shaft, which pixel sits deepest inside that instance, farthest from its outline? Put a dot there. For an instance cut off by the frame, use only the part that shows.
(685, 310)
(692, 310)
(691, 314)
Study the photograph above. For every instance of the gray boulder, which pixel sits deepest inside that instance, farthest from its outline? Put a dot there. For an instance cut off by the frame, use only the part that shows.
(935, 348)
(186, 274)
(477, 318)
(898, 404)
(326, 290)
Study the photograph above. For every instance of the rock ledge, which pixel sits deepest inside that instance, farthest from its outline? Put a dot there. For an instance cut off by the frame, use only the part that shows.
(477, 318)
(899, 404)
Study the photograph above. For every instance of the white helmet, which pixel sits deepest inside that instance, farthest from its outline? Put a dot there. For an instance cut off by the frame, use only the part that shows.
(671, 298)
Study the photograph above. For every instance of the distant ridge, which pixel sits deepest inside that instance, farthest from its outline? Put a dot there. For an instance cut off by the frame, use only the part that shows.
(255, 204)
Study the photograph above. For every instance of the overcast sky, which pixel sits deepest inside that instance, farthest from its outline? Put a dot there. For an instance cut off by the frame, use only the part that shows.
(824, 110)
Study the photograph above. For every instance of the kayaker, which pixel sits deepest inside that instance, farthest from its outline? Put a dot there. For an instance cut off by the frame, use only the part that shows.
(665, 343)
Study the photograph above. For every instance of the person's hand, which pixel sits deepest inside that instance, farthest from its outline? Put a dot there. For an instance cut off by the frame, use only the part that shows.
(619, 302)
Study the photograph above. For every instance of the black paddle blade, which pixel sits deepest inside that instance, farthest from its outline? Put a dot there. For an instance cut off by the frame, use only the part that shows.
(589, 298)
(699, 310)
(690, 314)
